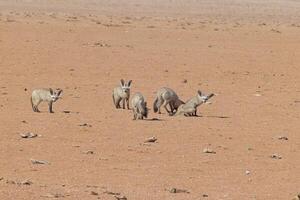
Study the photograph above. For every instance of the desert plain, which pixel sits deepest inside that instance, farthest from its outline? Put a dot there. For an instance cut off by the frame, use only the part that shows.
(246, 52)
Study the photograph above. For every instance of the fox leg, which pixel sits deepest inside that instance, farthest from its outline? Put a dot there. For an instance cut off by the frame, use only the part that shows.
(118, 105)
(171, 107)
(159, 112)
(50, 106)
(36, 107)
(33, 107)
(127, 100)
(114, 101)
(123, 102)
(195, 113)
(171, 113)
(117, 101)
(140, 116)
(165, 106)
(159, 105)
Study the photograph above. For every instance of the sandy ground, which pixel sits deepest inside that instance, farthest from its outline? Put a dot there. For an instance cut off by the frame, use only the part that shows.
(247, 52)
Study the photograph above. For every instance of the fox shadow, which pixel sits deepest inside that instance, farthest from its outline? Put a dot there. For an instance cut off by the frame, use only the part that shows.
(213, 116)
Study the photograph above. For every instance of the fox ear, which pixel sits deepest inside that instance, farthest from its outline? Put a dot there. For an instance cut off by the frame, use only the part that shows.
(59, 92)
(122, 82)
(211, 95)
(199, 92)
(129, 83)
(51, 91)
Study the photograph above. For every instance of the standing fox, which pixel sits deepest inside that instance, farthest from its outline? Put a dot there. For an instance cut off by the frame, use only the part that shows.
(165, 96)
(139, 106)
(122, 93)
(44, 94)
(190, 107)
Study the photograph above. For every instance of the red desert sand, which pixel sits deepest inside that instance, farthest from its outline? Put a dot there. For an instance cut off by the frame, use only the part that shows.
(245, 144)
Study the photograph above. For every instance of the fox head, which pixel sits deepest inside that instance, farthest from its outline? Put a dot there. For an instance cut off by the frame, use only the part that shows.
(55, 95)
(204, 97)
(125, 86)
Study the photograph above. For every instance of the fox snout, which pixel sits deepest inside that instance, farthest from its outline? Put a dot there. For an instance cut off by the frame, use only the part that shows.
(204, 99)
(55, 98)
(126, 90)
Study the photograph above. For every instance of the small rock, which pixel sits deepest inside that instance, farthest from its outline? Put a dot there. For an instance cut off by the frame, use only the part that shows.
(276, 156)
(152, 139)
(176, 190)
(247, 172)
(111, 193)
(94, 193)
(28, 135)
(89, 152)
(173, 190)
(120, 197)
(276, 31)
(66, 111)
(10, 182)
(92, 186)
(205, 195)
(207, 150)
(85, 124)
(42, 162)
(27, 182)
(50, 195)
(282, 138)
(184, 81)
(101, 44)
